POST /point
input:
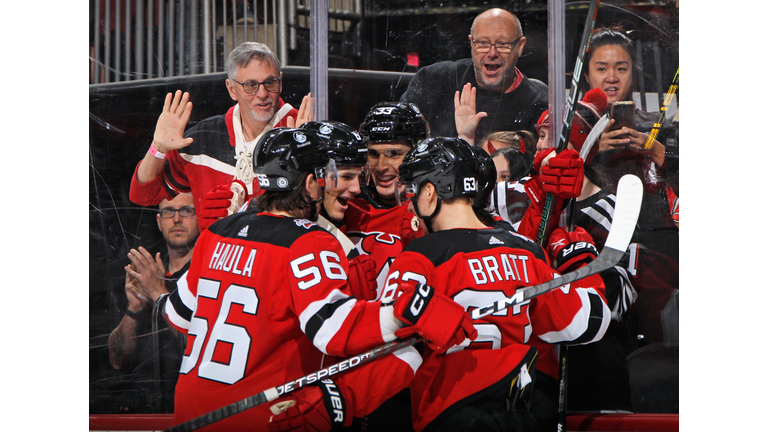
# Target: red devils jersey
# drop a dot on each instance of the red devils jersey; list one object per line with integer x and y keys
{"x": 206, "y": 163}
{"x": 380, "y": 233}
{"x": 476, "y": 267}
{"x": 264, "y": 297}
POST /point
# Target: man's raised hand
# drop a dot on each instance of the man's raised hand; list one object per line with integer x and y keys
{"x": 465, "y": 113}
{"x": 304, "y": 115}
{"x": 169, "y": 132}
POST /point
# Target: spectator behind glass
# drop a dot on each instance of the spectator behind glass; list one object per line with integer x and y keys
{"x": 218, "y": 150}
{"x": 506, "y": 99}
{"x": 511, "y": 164}
{"x": 612, "y": 66}
{"x": 522, "y": 140}
{"x": 143, "y": 346}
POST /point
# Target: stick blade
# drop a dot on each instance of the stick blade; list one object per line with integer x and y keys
{"x": 625, "y": 214}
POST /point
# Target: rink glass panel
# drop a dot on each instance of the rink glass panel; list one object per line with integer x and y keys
{"x": 395, "y": 38}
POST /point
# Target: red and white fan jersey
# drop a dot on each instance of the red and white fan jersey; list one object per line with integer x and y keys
{"x": 476, "y": 267}
{"x": 264, "y": 298}
{"x": 211, "y": 160}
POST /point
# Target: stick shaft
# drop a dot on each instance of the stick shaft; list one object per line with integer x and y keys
{"x": 565, "y": 131}
{"x": 657, "y": 126}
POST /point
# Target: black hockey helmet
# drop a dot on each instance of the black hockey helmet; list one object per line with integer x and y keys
{"x": 395, "y": 121}
{"x": 345, "y": 145}
{"x": 487, "y": 176}
{"x": 448, "y": 163}
{"x": 284, "y": 154}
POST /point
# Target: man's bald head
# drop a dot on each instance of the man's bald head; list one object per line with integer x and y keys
{"x": 501, "y": 16}
{"x": 495, "y": 70}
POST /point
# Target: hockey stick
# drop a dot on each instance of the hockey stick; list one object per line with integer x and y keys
{"x": 628, "y": 200}
{"x": 592, "y": 138}
{"x": 565, "y": 132}
{"x": 657, "y": 126}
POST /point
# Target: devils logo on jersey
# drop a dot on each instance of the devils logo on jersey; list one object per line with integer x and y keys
{"x": 382, "y": 248}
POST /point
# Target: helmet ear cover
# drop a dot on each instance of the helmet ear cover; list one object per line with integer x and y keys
{"x": 283, "y": 154}
{"x": 449, "y": 164}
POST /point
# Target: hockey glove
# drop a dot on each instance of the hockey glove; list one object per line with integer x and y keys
{"x": 222, "y": 201}
{"x": 563, "y": 176}
{"x": 571, "y": 250}
{"x": 362, "y": 277}
{"x": 434, "y": 316}
{"x": 316, "y": 408}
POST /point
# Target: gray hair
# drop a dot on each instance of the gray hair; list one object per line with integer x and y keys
{"x": 241, "y": 56}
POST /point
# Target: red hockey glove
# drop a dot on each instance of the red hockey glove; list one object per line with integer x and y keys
{"x": 571, "y": 250}
{"x": 564, "y": 175}
{"x": 316, "y": 408}
{"x": 362, "y": 277}
{"x": 434, "y": 316}
{"x": 222, "y": 201}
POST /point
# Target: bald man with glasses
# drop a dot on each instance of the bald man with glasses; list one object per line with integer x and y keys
{"x": 485, "y": 93}
{"x": 214, "y": 156}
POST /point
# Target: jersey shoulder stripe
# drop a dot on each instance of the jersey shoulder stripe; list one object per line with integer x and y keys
{"x": 264, "y": 228}
{"x": 441, "y": 246}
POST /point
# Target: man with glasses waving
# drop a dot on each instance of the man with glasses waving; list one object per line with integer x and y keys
{"x": 215, "y": 156}
{"x": 143, "y": 344}
{"x": 505, "y": 98}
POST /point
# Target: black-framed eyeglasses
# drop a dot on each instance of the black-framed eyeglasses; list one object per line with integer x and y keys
{"x": 186, "y": 212}
{"x": 252, "y": 87}
{"x": 502, "y": 47}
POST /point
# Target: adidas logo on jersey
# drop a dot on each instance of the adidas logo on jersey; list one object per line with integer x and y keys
{"x": 243, "y": 232}
{"x": 494, "y": 240}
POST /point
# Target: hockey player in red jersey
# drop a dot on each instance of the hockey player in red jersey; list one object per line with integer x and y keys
{"x": 266, "y": 296}
{"x": 484, "y": 385}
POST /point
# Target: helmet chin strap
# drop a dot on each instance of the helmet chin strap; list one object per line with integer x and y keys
{"x": 427, "y": 219}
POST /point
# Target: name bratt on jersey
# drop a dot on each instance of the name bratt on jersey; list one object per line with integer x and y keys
{"x": 229, "y": 258}
{"x": 502, "y": 267}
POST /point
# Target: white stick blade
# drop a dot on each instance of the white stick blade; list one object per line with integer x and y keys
{"x": 625, "y": 214}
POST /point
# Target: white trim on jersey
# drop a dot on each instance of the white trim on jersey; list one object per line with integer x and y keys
{"x": 389, "y": 324}
{"x": 580, "y": 322}
{"x": 410, "y": 356}
{"x": 187, "y": 299}
{"x": 210, "y": 162}
{"x": 332, "y": 324}
{"x": 175, "y": 318}
{"x": 598, "y": 217}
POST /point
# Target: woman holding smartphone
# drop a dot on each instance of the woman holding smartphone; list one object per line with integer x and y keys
{"x": 598, "y": 376}
{"x": 612, "y": 66}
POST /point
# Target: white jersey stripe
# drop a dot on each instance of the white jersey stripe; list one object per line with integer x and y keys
{"x": 331, "y": 324}
{"x": 410, "y": 356}
{"x": 598, "y": 217}
{"x": 580, "y": 322}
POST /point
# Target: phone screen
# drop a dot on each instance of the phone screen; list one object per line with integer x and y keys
{"x": 623, "y": 114}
